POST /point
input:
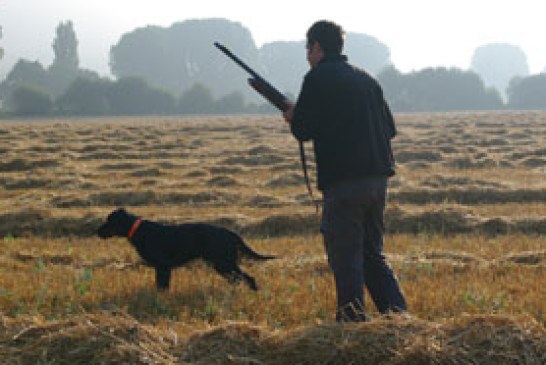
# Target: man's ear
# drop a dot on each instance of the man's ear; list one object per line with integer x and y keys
{"x": 319, "y": 47}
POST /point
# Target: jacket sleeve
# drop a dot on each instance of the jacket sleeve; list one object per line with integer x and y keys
{"x": 390, "y": 126}
{"x": 306, "y": 112}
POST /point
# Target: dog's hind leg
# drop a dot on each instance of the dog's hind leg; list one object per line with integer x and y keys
{"x": 162, "y": 277}
{"x": 227, "y": 272}
{"x": 234, "y": 274}
{"x": 249, "y": 279}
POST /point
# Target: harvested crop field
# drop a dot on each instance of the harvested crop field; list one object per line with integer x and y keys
{"x": 466, "y": 224}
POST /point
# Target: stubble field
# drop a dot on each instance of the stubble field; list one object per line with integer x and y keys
{"x": 466, "y": 224}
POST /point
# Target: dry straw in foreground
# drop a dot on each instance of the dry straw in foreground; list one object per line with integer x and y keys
{"x": 114, "y": 338}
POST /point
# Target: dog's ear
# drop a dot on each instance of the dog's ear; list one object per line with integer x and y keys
{"x": 116, "y": 213}
{"x": 120, "y": 212}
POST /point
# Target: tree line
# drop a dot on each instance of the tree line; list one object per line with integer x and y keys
{"x": 176, "y": 70}
{"x": 127, "y": 96}
{"x": 1, "y": 49}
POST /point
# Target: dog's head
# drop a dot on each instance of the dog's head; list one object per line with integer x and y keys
{"x": 117, "y": 223}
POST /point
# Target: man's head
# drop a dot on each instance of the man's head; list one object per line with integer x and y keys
{"x": 323, "y": 38}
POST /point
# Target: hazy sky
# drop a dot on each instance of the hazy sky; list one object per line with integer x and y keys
{"x": 419, "y": 33}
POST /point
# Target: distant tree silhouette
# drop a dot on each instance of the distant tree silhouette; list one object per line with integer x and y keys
{"x": 65, "y": 46}
{"x": 284, "y": 64}
{"x": 23, "y": 74}
{"x": 396, "y": 89}
{"x": 527, "y": 92}
{"x": 65, "y": 67}
{"x": 176, "y": 69}
{"x": 145, "y": 53}
{"x": 196, "y": 100}
{"x": 30, "y": 101}
{"x": 177, "y": 57}
{"x": 133, "y": 96}
{"x": 85, "y": 97}
{"x": 367, "y": 52}
{"x": 1, "y": 48}
{"x": 437, "y": 89}
{"x": 232, "y": 103}
{"x": 58, "y": 76}
{"x": 182, "y": 55}
{"x": 497, "y": 63}
{"x": 127, "y": 96}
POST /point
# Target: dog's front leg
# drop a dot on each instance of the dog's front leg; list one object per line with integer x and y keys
{"x": 162, "y": 277}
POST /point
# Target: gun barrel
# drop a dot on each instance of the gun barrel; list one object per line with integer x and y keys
{"x": 257, "y": 82}
{"x": 237, "y": 60}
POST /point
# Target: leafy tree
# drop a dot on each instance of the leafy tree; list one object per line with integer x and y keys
{"x": 65, "y": 46}
{"x": 30, "y": 101}
{"x": 497, "y": 63}
{"x": 177, "y": 57}
{"x": 202, "y": 63}
{"x": 1, "y": 48}
{"x": 231, "y": 103}
{"x": 133, "y": 96}
{"x": 437, "y": 89}
{"x": 367, "y": 52}
{"x": 64, "y": 69}
{"x": 55, "y": 79}
{"x": 395, "y": 88}
{"x": 196, "y": 100}
{"x": 143, "y": 53}
{"x": 23, "y": 73}
{"x": 127, "y": 96}
{"x": 528, "y": 92}
{"x": 85, "y": 97}
{"x": 285, "y": 64}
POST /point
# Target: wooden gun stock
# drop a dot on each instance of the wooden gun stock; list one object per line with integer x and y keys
{"x": 270, "y": 93}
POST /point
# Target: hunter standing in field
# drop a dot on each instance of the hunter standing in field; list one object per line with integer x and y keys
{"x": 342, "y": 110}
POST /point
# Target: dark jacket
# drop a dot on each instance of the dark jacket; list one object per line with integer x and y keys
{"x": 342, "y": 109}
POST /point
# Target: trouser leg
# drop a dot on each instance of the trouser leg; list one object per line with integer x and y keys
{"x": 343, "y": 237}
{"x": 346, "y": 264}
{"x": 378, "y": 275}
{"x": 353, "y": 228}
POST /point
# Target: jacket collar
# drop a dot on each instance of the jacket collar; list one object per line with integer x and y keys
{"x": 333, "y": 58}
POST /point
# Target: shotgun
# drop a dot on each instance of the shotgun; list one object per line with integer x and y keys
{"x": 275, "y": 97}
{"x": 257, "y": 82}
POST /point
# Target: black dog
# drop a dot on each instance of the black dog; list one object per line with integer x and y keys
{"x": 165, "y": 247}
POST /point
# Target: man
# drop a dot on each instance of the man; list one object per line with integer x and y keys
{"x": 342, "y": 110}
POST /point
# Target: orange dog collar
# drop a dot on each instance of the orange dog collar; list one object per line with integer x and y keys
{"x": 134, "y": 228}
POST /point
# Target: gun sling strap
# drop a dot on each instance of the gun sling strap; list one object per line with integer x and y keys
{"x": 306, "y": 175}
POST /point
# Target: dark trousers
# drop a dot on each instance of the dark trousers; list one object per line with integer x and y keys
{"x": 353, "y": 228}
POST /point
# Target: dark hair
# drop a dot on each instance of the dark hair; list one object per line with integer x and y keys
{"x": 328, "y": 34}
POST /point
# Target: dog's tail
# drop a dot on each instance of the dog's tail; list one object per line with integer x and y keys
{"x": 246, "y": 251}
